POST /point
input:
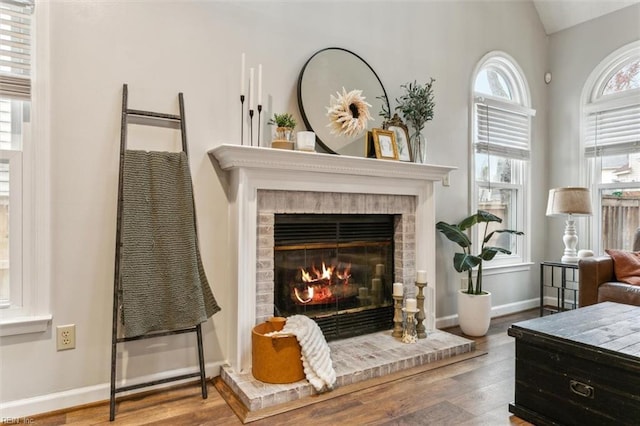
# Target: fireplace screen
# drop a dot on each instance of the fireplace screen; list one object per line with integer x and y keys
{"x": 336, "y": 269}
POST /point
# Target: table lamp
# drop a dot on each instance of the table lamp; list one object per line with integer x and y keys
{"x": 571, "y": 201}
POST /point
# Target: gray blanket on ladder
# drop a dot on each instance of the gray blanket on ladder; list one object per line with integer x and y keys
{"x": 163, "y": 284}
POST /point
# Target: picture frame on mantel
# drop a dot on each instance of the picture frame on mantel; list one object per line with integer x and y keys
{"x": 384, "y": 143}
{"x": 369, "y": 151}
{"x": 397, "y": 126}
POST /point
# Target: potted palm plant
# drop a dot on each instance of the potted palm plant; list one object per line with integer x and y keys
{"x": 474, "y": 304}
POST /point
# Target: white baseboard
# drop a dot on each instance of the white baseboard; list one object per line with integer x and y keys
{"x": 23, "y": 408}
{"x": 496, "y": 311}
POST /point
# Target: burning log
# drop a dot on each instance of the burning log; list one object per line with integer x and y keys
{"x": 323, "y": 286}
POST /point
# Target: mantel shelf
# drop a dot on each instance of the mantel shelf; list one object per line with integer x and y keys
{"x": 229, "y": 157}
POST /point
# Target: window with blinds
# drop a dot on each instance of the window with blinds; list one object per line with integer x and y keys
{"x": 611, "y": 141}
{"x": 15, "y": 49}
{"x": 15, "y": 104}
{"x": 502, "y": 129}
{"x": 501, "y": 123}
{"x": 613, "y": 126}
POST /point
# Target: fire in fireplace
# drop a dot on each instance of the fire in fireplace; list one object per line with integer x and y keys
{"x": 323, "y": 286}
{"x": 336, "y": 269}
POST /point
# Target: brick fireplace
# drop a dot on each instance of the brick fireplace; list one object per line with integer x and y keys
{"x": 263, "y": 182}
{"x": 359, "y": 207}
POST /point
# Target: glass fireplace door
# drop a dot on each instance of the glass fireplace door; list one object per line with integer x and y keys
{"x": 336, "y": 269}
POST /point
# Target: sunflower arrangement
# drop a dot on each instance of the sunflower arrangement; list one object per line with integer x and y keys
{"x": 348, "y": 113}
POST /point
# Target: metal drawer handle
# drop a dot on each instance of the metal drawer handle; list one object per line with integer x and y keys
{"x": 581, "y": 389}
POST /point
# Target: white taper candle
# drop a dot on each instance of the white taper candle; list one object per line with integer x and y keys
{"x": 242, "y": 72}
{"x": 260, "y": 84}
{"x": 251, "y": 98}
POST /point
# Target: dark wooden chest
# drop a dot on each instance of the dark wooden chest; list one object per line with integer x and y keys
{"x": 579, "y": 367}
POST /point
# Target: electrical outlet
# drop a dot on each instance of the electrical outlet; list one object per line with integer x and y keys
{"x": 66, "y": 337}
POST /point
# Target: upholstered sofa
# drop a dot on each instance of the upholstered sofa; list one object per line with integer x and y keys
{"x": 598, "y": 281}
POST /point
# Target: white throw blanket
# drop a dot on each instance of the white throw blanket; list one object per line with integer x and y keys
{"x": 316, "y": 354}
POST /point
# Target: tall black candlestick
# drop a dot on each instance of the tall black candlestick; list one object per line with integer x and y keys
{"x": 259, "y": 128}
{"x": 251, "y": 125}
{"x": 241, "y": 119}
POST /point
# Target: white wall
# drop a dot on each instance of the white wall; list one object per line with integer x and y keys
{"x": 162, "y": 48}
{"x": 573, "y": 55}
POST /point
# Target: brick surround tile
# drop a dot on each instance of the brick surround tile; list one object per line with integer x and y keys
{"x": 270, "y": 202}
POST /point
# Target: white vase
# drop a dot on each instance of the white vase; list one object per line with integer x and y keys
{"x": 474, "y": 313}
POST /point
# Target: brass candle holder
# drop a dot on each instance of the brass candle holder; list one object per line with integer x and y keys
{"x": 420, "y": 328}
{"x": 397, "y": 317}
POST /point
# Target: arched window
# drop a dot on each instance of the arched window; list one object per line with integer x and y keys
{"x": 501, "y": 123}
{"x": 611, "y": 139}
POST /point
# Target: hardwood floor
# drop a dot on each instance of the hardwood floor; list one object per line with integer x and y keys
{"x": 472, "y": 392}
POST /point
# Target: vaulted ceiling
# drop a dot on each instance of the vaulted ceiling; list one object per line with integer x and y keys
{"x": 557, "y": 15}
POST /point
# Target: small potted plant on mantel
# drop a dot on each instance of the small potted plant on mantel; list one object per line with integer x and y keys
{"x": 283, "y": 136}
{"x": 474, "y": 304}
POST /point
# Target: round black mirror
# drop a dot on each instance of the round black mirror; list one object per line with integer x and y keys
{"x": 326, "y": 73}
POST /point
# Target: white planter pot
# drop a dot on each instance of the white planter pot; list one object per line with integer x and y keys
{"x": 474, "y": 313}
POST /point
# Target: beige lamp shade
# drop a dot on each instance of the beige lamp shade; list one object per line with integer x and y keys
{"x": 569, "y": 200}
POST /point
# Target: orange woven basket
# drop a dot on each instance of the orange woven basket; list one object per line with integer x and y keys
{"x": 276, "y": 359}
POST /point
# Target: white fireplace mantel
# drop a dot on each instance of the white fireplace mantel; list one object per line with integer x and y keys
{"x": 237, "y": 157}
{"x": 245, "y": 170}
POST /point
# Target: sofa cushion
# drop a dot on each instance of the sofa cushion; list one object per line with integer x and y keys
{"x": 626, "y": 265}
{"x": 619, "y": 292}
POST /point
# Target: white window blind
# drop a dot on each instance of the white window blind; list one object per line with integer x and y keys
{"x": 15, "y": 48}
{"x": 502, "y": 128}
{"x": 613, "y": 127}
{"x": 6, "y": 131}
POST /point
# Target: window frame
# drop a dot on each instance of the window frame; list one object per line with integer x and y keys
{"x": 34, "y": 315}
{"x": 594, "y": 100}
{"x": 520, "y": 103}
{"x": 14, "y": 158}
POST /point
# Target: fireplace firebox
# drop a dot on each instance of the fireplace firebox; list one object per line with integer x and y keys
{"x": 336, "y": 269}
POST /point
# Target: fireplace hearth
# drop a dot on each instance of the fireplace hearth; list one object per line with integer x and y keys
{"x": 335, "y": 269}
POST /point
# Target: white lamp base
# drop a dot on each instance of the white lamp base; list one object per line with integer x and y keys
{"x": 570, "y": 240}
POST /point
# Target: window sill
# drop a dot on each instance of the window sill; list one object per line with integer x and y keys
{"x": 24, "y": 325}
{"x": 507, "y": 269}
